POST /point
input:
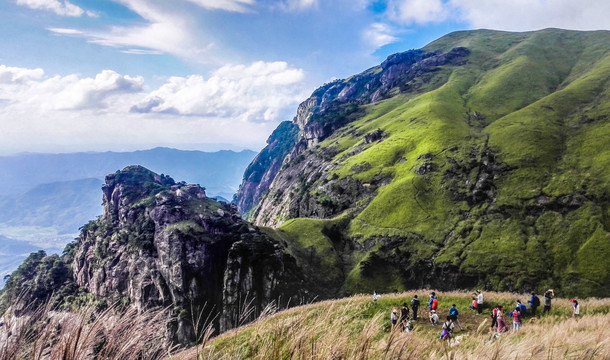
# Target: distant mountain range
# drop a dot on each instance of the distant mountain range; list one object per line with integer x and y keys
{"x": 219, "y": 172}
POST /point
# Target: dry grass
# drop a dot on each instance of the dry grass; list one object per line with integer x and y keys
{"x": 35, "y": 334}
{"x": 357, "y": 328}
{"x": 354, "y": 328}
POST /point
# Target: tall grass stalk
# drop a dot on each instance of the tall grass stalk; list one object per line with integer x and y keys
{"x": 114, "y": 333}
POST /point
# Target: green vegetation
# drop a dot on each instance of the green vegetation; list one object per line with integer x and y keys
{"x": 495, "y": 169}
{"x": 39, "y": 279}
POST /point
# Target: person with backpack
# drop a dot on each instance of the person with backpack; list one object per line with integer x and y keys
{"x": 534, "y": 303}
{"x": 434, "y": 317}
{"x": 479, "y": 302}
{"x": 394, "y": 317}
{"x": 522, "y": 308}
{"x": 409, "y": 326}
{"x": 548, "y": 296}
{"x": 473, "y": 306}
{"x": 516, "y": 315}
{"x": 575, "y": 308}
{"x": 494, "y": 318}
{"x": 404, "y": 315}
{"x": 433, "y": 302}
{"x": 415, "y": 306}
{"x": 453, "y": 314}
{"x": 501, "y": 322}
{"x": 447, "y": 329}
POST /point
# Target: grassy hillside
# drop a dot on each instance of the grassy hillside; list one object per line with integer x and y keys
{"x": 358, "y": 328}
{"x": 491, "y": 173}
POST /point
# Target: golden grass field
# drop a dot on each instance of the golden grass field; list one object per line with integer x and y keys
{"x": 358, "y": 328}
{"x": 348, "y": 328}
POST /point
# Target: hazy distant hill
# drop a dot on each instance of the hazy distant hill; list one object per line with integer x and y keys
{"x": 12, "y": 253}
{"x": 66, "y": 205}
{"x": 219, "y": 172}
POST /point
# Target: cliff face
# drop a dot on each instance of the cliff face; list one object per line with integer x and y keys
{"x": 165, "y": 244}
{"x": 467, "y": 163}
{"x": 261, "y": 172}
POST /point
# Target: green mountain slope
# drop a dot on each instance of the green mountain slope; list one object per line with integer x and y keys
{"x": 480, "y": 160}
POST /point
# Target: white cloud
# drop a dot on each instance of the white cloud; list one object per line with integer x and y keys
{"x": 15, "y": 75}
{"x": 298, "y": 5}
{"x": 63, "y": 31}
{"x": 417, "y": 11}
{"x": 378, "y": 35}
{"x": 520, "y": 15}
{"x": 515, "y": 15}
{"x": 63, "y": 8}
{"x": 227, "y": 5}
{"x": 75, "y": 93}
{"x": 257, "y": 92}
{"x": 141, "y": 52}
{"x": 166, "y": 29}
{"x": 28, "y": 89}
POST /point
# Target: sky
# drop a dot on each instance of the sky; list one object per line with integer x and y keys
{"x": 123, "y": 75}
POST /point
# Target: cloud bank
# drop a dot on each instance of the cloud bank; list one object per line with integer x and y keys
{"x": 241, "y": 102}
{"x": 257, "y": 92}
{"x": 516, "y": 15}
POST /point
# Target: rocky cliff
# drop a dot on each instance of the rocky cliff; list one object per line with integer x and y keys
{"x": 165, "y": 244}
{"x": 476, "y": 161}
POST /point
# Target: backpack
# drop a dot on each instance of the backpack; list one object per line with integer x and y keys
{"x": 536, "y": 301}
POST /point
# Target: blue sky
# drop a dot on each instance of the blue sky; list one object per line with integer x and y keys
{"x": 96, "y": 75}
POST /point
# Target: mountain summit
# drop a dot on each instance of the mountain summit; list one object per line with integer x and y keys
{"x": 479, "y": 160}
{"x": 164, "y": 244}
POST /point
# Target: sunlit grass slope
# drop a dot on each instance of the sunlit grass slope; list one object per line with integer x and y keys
{"x": 527, "y": 118}
{"x": 358, "y": 328}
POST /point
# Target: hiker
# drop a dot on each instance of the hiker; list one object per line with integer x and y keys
{"x": 576, "y": 308}
{"x": 479, "y": 302}
{"x": 404, "y": 315}
{"x": 473, "y": 306}
{"x": 453, "y": 314}
{"x": 415, "y": 306}
{"x": 447, "y": 329}
{"x": 494, "y": 318}
{"x": 433, "y": 304}
{"x": 522, "y": 308}
{"x": 409, "y": 326}
{"x": 534, "y": 303}
{"x": 548, "y": 296}
{"x": 375, "y": 296}
{"x": 394, "y": 317}
{"x": 501, "y": 322}
{"x": 516, "y": 315}
{"x": 434, "y": 317}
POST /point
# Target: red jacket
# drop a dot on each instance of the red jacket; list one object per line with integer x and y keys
{"x": 434, "y": 304}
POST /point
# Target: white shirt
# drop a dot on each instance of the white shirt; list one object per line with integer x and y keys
{"x": 480, "y": 298}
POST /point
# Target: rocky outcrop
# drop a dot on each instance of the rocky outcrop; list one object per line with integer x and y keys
{"x": 329, "y": 108}
{"x": 166, "y": 244}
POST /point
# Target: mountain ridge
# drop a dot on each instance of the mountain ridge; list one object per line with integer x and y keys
{"x": 439, "y": 181}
